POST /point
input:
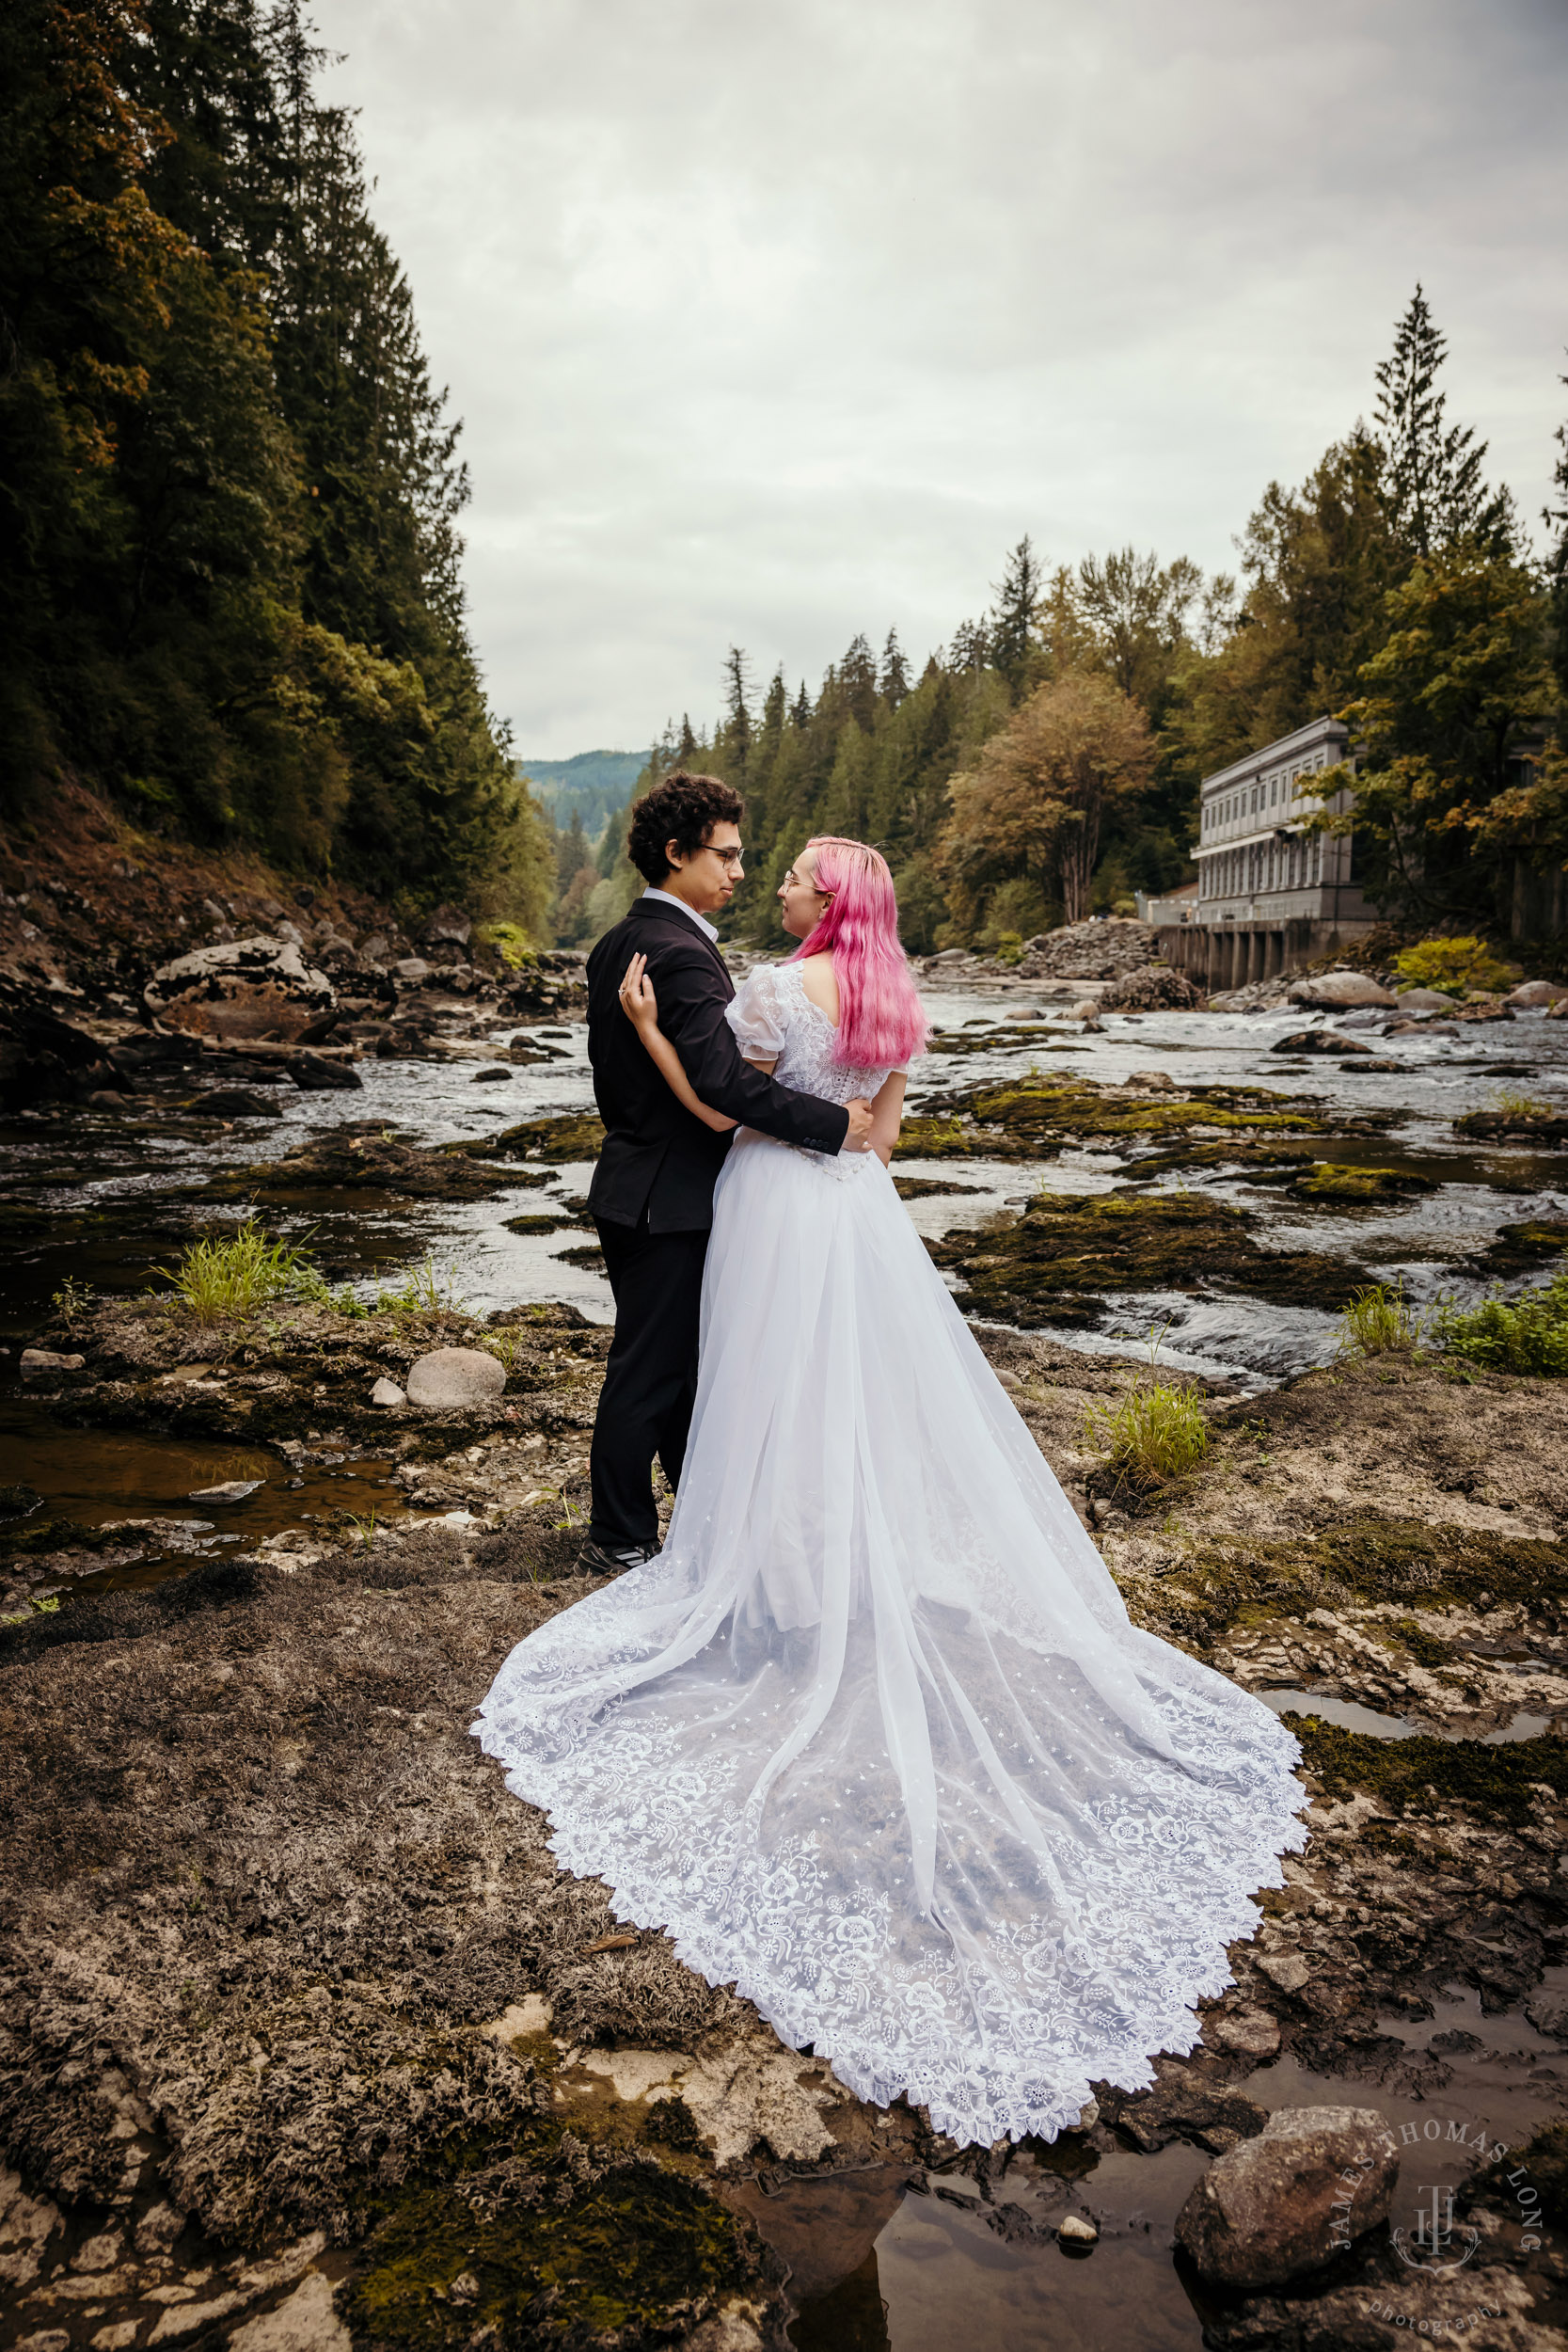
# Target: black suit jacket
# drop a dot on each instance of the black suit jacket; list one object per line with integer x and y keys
{"x": 657, "y": 1155}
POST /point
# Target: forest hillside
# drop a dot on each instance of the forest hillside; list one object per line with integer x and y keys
{"x": 230, "y": 598}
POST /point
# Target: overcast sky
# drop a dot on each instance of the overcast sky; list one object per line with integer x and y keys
{"x": 773, "y": 320}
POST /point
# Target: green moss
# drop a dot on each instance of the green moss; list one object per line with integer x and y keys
{"x": 1051, "y": 1109}
{"x": 1497, "y": 1784}
{"x": 938, "y": 1140}
{"x": 1333, "y": 1182}
{"x": 642, "y": 2252}
{"x": 574, "y": 1136}
{"x": 1368, "y": 1558}
{"x": 1068, "y": 1246}
{"x": 1520, "y": 1249}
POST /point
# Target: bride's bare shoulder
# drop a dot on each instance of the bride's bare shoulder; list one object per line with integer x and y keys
{"x": 816, "y": 978}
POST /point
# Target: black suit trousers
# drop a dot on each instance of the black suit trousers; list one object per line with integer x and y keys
{"x": 650, "y": 1374}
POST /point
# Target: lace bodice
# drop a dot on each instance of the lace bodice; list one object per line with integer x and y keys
{"x": 774, "y": 1019}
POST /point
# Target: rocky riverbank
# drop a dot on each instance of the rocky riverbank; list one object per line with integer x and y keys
{"x": 307, "y": 2038}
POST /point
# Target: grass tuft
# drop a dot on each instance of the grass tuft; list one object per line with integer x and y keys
{"x": 1380, "y": 1321}
{"x": 227, "y": 1276}
{"x": 1509, "y": 1105}
{"x": 1152, "y": 1435}
{"x": 425, "y": 1290}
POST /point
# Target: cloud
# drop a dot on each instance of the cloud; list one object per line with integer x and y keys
{"x": 773, "y": 323}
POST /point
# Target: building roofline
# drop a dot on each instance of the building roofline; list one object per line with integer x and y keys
{"x": 1240, "y": 770}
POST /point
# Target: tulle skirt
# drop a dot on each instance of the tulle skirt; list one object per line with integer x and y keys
{"x": 873, "y": 1738}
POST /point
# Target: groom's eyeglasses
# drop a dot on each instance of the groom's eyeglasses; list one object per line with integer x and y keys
{"x": 731, "y": 858}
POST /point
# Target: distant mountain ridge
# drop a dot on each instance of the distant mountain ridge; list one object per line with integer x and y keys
{"x": 593, "y": 784}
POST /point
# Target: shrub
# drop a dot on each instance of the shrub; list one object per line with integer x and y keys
{"x": 1527, "y": 1334}
{"x": 1451, "y": 965}
{"x": 509, "y": 942}
{"x": 1380, "y": 1322}
{"x": 1153, "y": 1434}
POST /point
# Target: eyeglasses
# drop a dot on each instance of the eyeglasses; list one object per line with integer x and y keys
{"x": 799, "y": 881}
{"x": 731, "y": 858}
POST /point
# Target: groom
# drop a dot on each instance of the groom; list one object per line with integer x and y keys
{"x": 652, "y": 1194}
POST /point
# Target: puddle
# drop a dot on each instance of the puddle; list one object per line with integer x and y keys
{"x": 96, "y": 1477}
{"x": 1345, "y": 1712}
{"x": 1351, "y": 1717}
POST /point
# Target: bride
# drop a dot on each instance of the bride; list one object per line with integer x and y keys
{"x": 873, "y": 1736}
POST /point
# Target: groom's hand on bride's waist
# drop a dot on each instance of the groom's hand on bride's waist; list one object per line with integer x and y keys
{"x": 859, "y": 1135}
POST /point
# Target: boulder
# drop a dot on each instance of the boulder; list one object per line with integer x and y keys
{"x": 1532, "y": 995}
{"x": 411, "y": 970}
{"x": 249, "y": 988}
{"x": 232, "y": 1490}
{"x": 450, "y": 1377}
{"x": 43, "y": 1057}
{"x": 235, "y": 1102}
{"x": 1319, "y": 1042}
{"x": 1156, "y": 989}
{"x": 1284, "y": 2203}
{"x": 449, "y": 926}
{"x": 1336, "y": 991}
{"x": 1424, "y": 1000}
{"x": 387, "y": 1392}
{"x": 490, "y": 1077}
{"x": 38, "y": 1361}
{"x": 320, "y": 1073}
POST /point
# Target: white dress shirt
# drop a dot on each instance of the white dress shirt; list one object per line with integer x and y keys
{"x": 667, "y": 899}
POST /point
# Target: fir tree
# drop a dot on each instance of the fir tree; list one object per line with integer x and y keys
{"x": 800, "y": 713}
{"x": 1555, "y": 517}
{"x": 737, "y": 715}
{"x": 1432, "y": 485}
{"x": 895, "y": 672}
{"x": 1012, "y": 617}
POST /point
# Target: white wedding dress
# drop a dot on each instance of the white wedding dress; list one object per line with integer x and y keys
{"x": 873, "y": 1737}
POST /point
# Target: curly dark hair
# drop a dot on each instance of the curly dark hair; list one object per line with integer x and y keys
{"x": 683, "y": 809}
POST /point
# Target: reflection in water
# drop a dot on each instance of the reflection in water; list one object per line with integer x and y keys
{"x": 852, "y": 2318}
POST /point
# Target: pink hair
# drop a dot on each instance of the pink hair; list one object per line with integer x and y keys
{"x": 881, "y": 1021}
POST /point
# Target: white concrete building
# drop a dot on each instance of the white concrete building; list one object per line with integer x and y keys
{"x": 1271, "y": 896}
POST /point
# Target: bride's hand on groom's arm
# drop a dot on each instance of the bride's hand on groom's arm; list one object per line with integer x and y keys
{"x": 638, "y": 1000}
{"x": 859, "y": 1135}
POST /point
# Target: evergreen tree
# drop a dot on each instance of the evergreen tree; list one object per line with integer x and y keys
{"x": 1432, "y": 485}
{"x": 894, "y": 682}
{"x": 1555, "y": 517}
{"x": 737, "y": 714}
{"x": 571, "y": 852}
{"x": 1012, "y": 617}
{"x": 800, "y": 713}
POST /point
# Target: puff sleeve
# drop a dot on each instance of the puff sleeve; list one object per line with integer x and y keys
{"x": 757, "y": 1016}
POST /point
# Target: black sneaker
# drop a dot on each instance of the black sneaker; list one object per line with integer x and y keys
{"x": 613, "y": 1558}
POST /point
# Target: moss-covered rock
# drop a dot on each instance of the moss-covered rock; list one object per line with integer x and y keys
{"x": 1069, "y": 1247}
{"x": 569, "y": 1136}
{"x": 363, "y": 1159}
{"x": 1343, "y": 1184}
{"x": 1520, "y": 1249}
{"x": 1364, "y": 1558}
{"x": 1419, "y": 1775}
{"x": 638, "y": 2256}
